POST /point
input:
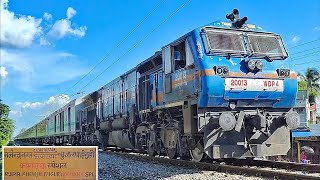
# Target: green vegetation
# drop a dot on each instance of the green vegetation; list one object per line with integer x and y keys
{"x": 302, "y": 85}
{"x": 1, "y": 165}
{"x": 311, "y": 82}
{"x": 6, "y": 125}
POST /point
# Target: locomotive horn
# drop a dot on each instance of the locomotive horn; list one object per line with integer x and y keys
{"x": 239, "y": 23}
{"x": 234, "y": 16}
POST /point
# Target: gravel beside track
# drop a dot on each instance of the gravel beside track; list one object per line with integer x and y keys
{"x": 115, "y": 167}
{"x": 135, "y": 166}
{"x": 313, "y": 169}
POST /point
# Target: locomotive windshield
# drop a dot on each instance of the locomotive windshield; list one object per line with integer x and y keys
{"x": 240, "y": 44}
{"x": 267, "y": 45}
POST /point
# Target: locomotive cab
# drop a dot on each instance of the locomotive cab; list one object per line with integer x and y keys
{"x": 246, "y": 98}
{"x": 236, "y": 84}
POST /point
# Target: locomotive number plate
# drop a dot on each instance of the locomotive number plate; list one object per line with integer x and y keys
{"x": 253, "y": 84}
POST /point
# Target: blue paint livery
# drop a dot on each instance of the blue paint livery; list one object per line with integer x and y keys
{"x": 213, "y": 92}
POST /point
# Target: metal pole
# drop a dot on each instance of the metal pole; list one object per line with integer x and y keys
{"x": 291, "y": 146}
{"x": 298, "y": 148}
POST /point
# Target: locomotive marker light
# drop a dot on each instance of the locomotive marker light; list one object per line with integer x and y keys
{"x": 283, "y": 72}
{"x": 221, "y": 70}
{"x": 225, "y": 70}
{"x": 235, "y": 16}
{"x": 227, "y": 121}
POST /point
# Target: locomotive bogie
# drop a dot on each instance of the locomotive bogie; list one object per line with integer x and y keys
{"x": 248, "y": 133}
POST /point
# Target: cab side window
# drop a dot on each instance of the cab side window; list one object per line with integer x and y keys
{"x": 179, "y": 56}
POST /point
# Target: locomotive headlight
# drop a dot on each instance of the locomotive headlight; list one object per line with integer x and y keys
{"x": 251, "y": 65}
{"x": 259, "y": 65}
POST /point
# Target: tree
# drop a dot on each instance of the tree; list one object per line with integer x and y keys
{"x": 4, "y": 110}
{"x": 6, "y": 125}
{"x": 311, "y": 82}
{"x": 302, "y": 86}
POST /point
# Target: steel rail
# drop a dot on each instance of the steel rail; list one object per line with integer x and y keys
{"x": 308, "y": 168}
{"x": 216, "y": 167}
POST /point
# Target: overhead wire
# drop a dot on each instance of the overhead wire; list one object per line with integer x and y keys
{"x": 305, "y": 51}
{"x": 139, "y": 42}
{"x": 305, "y": 55}
{"x": 309, "y": 42}
{"x": 118, "y": 44}
{"x": 139, "y": 25}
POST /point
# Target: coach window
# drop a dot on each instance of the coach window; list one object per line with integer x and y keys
{"x": 55, "y": 123}
{"x": 69, "y": 118}
{"x": 61, "y": 117}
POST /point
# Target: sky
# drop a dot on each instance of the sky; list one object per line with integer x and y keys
{"x": 47, "y": 47}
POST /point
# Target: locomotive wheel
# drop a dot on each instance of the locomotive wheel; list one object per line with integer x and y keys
{"x": 151, "y": 150}
{"x": 172, "y": 153}
{"x": 197, "y": 154}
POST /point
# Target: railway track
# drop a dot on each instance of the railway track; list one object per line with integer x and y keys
{"x": 307, "y": 168}
{"x": 236, "y": 168}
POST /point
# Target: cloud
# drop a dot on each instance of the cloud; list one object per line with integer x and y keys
{"x": 15, "y": 113}
{"x": 64, "y": 27}
{"x": 47, "y": 16}
{"x": 44, "y": 42}
{"x": 26, "y": 114}
{"x": 317, "y": 28}
{"x": 3, "y": 73}
{"x": 20, "y": 31}
{"x": 295, "y": 39}
{"x": 17, "y": 31}
{"x": 34, "y": 69}
{"x": 71, "y": 12}
{"x": 58, "y": 100}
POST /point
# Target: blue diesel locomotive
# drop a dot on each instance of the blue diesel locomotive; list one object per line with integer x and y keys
{"x": 221, "y": 90}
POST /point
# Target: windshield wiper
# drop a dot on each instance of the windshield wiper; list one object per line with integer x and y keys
{"x": 268, "y": 58}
